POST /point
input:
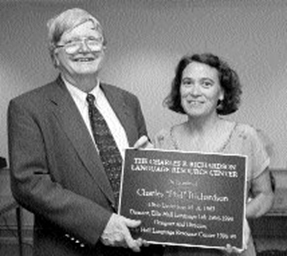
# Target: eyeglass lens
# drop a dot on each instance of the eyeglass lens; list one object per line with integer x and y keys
{"x": 93, "y": 45}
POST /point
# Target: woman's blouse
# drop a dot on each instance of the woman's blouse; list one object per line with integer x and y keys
{"x": 243, "y": 140}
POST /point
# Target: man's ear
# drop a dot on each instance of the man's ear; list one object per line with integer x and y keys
{"x": 55, "y": 59}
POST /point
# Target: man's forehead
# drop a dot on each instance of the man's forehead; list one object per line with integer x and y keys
{"x": 86, "y": 27}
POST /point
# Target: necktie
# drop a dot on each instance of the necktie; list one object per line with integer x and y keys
{"x": 108, "y": 150}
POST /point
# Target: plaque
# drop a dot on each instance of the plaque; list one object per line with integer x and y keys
{"x": 185, "y": 198}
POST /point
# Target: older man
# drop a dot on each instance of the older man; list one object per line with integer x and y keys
{"x": 66, "y": 144}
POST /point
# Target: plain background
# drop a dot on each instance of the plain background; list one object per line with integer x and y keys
{"x": 146, "y": 39}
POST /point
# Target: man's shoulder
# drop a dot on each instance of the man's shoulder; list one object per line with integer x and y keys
{"x": 36, "y": 93}
{"x": 115, "y": 89}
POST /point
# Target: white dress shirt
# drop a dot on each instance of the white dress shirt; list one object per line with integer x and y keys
{"x": 105, "y": 109}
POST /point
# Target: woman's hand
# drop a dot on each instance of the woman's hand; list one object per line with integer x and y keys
{"x": 246, "y": 236}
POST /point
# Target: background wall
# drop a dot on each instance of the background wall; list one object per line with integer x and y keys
{"x": 146, "y": 39}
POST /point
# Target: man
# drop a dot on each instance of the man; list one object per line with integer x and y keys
{"x": 58, "y": 169}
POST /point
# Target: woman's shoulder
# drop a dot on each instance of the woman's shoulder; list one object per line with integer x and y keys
{"x": 161, "y": 136}
{"x": 246, "y": 131}
{"x": 167, "y": 132}
{"x": 162, "y": 133}
{"x": 164, "y": 138}
{"x": 254, "y": 137}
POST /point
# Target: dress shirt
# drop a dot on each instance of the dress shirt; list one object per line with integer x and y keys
{"x": 105, "y": 109}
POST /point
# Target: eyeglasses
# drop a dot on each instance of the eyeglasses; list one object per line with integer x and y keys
{"x": 73, "y": 46}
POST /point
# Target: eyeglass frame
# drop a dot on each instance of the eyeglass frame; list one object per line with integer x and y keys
{"x": 80, "y": 42}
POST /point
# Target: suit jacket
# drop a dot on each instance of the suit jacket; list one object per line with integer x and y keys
{"x": 56, "y": 171}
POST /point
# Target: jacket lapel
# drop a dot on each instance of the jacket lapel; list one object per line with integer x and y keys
{"x": 75, "y": 128}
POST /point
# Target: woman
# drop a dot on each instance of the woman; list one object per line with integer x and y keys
{"x": 204, "y": 88}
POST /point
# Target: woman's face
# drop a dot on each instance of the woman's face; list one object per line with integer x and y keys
{"x": 200, "y": 90}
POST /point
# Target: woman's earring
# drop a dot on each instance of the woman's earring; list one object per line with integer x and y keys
{"x": 219, "y": 105}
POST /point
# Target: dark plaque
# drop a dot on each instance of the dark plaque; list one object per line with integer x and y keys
{"x": 185, "y": 198}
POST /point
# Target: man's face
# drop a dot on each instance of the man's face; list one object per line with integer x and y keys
{"x": 80, "y": 51}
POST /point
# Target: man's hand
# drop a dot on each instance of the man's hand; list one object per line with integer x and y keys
{"x": 117, "y": 233}
{"x": 143, "y": 143}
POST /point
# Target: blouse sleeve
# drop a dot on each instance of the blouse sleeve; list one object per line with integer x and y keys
{"x": 267, "y": 143}
{"x": 259, "y": 157}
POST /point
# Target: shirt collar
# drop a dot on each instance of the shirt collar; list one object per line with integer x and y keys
{"x": 97, "y": 90}
{"x": 79, "y": 95}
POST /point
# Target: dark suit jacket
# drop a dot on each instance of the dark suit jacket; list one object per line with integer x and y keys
{"x": 56, "y": 172}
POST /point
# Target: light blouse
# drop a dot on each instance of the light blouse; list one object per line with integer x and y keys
{"x": 243, "y": 140}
